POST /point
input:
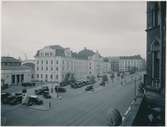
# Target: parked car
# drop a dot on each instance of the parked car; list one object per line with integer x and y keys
{"x": 38, "y": 92}
{"x": 89, "y": 88}
{"x": 46, "y": 95}
{"x": 16, "y": 100}
{"x": 28, "y": 84}
{"x": 4, "y": 97}
{"x": 60, "y": 89}
{"x": 102, "y": 84}
{"x": 45, "y": 88}
{"x": 34, "y": 100}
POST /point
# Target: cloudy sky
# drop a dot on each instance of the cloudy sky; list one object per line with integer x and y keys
{"x": 112, "y": 28}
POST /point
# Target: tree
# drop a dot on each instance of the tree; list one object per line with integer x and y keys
{"x": 92, "y": 79}
{"x": 72, "y": 79}
{"x": 67, "y": 77}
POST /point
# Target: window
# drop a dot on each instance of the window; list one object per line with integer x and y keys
{"x": 41, "y": 75}
{"x": 51, "y": 77}
{"x": 41, "y": 61}
{"x": 46, "y": 62}
{"x": 42, "y": 68}
{"x": 46, "y": 76}
{"x": 37, "y": 61}
{"x": 57, "y": 77}
{"x": 37, "y": 68}
{"x": 46, "y": 68}
{"x": 57, "y": 62}
{"x": 46, "y": 54}
{"x": 63, "y": 61}
{"x": 51, "y": 61}
{"x": 37, "y": 75}
{"x": 50, "y": 54}
{"x": 56, "y": 68}
{"x": 51, "y": 68}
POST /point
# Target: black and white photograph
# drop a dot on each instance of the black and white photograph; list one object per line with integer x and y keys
{"x": 83, "y": 63}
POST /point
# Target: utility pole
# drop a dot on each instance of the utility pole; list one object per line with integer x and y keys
{"x": 135, "y": 89}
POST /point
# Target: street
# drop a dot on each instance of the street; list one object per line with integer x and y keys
{"x": 85, "y": 108}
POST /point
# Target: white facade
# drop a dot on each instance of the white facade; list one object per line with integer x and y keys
{"x": 53, "y": 63}
{"x": 126, "y": 64}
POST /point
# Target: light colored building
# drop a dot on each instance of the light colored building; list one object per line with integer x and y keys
{"x": 13, "y": 73}
{"x": 31, "y": 64}
{"x": 128, "y": 63}
{"x": 52, "y": 63}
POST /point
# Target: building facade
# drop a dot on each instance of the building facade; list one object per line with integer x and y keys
{"x": 131, "y": 63}
{"x": 52, "y": 63}
{"x": 156, "y": 43}
{"x": 114, "y": 61}
{"x": 13, "y": 73}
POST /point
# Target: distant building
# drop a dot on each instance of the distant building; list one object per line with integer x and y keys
{"x": 13, "y": 73}
{"x": 156, "y": 43}
{"x": 31, "y": 64}
{"x": 53, "y": 63}
{"x": 114, "y": 61}
{"x": 131, "y": 63}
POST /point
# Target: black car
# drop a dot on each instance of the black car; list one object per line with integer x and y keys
{"x": 102, "y": 84}
{"x": 60, "y": 89}
{"x": 4, "y": 97}
{"x": 47, "y": 95}
{"x": 16, "y": 100}
{"x": 34, "y": 100}
{"x": 45, "y": 88}
{"x": 89, "y": 88}
{"x": 28, "y": 84}
{"x": 38, "y": 92}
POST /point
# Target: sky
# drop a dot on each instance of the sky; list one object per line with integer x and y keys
{"x": 112, "y": 28}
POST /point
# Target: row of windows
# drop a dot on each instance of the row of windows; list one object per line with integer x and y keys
{"x": 42, "y": 61}
{"x": 46, "y": 76}
{"x": 46, "y": 54}
{"x": 47, "y": 69}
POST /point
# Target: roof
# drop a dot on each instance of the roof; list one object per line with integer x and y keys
{"x": 22, "y": 67}
{"x": 131, "y": 57}
{"x": 85, "y": 53}
{"x": 55, "y": 47}
{"x": 9, "y": 59}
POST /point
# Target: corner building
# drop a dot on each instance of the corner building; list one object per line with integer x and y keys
{"x": 53, "y": 62}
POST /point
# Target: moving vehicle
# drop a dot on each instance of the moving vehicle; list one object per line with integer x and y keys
{"x": 32, "y": 100}
{"x": 89, "y": 88}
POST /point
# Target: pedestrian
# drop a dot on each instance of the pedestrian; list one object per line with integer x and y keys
{"x": 49, "y": 104}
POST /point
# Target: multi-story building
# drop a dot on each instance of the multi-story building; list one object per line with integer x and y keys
{"x": 114, "y": 61}
{"x": 52, "y": 63}
{"x": 131, "y": 63}
{"x": 156, "y": 42}
{"x": 13, "y": 73}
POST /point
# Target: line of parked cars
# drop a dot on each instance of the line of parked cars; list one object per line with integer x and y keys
{"x": 28, "y": 84}
{"x": 12, "y": 99}
{"x": 79, "y": 84}
{"x": 43, "y": 91}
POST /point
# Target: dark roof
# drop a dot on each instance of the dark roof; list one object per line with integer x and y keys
{"x": 56, "y": 47}
{"x": 85, "y": 53}
{"x": 31, "y": 65}
{"x": 131, "y": 57}
{"x": 9, "y": 59}
{"x": 15, "y": 67}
